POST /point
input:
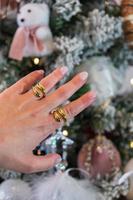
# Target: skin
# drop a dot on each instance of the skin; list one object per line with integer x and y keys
{"x": 25, "y": 120}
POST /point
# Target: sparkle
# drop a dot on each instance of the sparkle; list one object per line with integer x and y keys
{"x": 131, "y": 81}
{"x": 131, "y": 144}
{"x": 65, "y": 133}
{"x": 36, "y": 61}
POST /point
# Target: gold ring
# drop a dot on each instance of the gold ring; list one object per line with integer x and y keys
{"x": 59, "y": 114}
{"x": 39, "y": 91}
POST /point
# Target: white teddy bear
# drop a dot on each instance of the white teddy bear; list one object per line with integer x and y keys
{"x": 33, "y": 37}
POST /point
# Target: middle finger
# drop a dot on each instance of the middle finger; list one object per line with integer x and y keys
{"x": 61, "y": 94}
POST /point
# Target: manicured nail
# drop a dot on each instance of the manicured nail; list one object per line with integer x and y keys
{"x": 92, "y": 96}
{"x": 83, "y": 75}
{"x": 64, "y": 70}
{"x": 58, "y": 160}
{"x": 40, "y": 71}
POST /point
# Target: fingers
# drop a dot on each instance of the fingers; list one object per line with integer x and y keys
{"x": 24, "y": 84}
{"x": 46, "y": 124}
{"x": 50, "y": 81}
{"x": 74, "y": 108}
{"x": 77, "y": 106}
{"x": 63, "y": 93}
{"x": 42, "y": 163}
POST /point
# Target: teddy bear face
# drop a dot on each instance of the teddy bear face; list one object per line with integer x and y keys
{"x": 32, "y": 14}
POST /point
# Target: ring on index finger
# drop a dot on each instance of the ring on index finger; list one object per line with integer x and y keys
{"x": 39, "y": 91}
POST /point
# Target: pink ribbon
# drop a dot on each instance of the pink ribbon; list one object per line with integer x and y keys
{"x": 22, "y": 36}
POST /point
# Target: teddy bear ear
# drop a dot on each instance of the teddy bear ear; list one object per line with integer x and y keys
{"x": 44, "y": 6}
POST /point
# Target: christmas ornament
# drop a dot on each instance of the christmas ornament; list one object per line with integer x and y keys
{"x": 112, "y": 187}
{"x": 15, "y": 190}
{"x": 99, "y": 157}
{"x": 33, "y": 34}
{"x": 50, "y": 145}
{"x": 129, "y": 168}
{"x": 103, "y": 78}
{"x": 62, "y": 186}
{"x": 127, "y": 13}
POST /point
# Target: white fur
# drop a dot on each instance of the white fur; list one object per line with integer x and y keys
{"x": 37, "y": 17}
{"x": 64, "y": 187}
{"x": 15, "y": 189}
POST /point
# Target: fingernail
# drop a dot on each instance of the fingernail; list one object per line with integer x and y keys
{"x": 92, "y": 94}
{"x": 83, "y": 75}
{"x": 58, "y": 160}
{"x": 40, "y": 71}
{"x": 64, "y": 70}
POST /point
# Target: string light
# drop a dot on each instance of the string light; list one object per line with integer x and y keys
{"x": 131, "y": 144}
{"x": 131, "y": 81}
{"x": 36, "y": 61}
{"x": 65, "y": 133}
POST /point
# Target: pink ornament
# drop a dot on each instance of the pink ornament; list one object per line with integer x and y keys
{"x": 99, "y": 157}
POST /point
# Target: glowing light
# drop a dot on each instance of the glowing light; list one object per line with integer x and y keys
{"x": 131, "y": 81}
{"x": 131, "y": 144}
{"x": 65, "y": 133}
{"x": 36, "y": 61}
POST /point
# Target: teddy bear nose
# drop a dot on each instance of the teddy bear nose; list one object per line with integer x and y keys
{"x": 22, "y": 20}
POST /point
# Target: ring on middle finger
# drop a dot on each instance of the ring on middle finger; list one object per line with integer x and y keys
{"x": 60, "y": 114}
{"x": 39, "y": 91}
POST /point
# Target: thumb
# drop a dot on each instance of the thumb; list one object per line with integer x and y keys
{"x": 43, "y": 163}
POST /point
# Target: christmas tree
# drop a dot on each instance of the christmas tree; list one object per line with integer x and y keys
{"x": 94, "y": 36}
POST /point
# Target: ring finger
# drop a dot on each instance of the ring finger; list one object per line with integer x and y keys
{"x": 72, "y": 109}
{"x": 75, "y": 107}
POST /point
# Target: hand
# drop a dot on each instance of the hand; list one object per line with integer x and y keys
{"x": 25, "y": 121}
